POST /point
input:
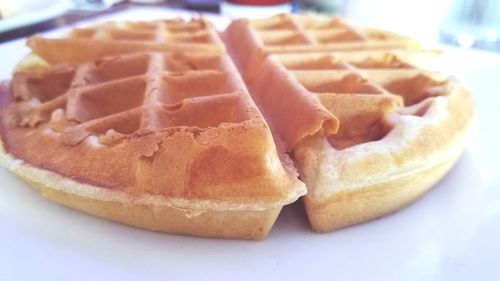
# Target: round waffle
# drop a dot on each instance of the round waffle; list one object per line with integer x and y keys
{"x": 150, "y": 123}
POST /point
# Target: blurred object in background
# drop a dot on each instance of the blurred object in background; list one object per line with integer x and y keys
{"x": 99, "y": 5}
{"x": 473, "y": 23}
{"x": 203, "y": 5}
{"x": 8, "y": 9}
{"x": 148, "y": 1}
{"x": 420, "y": 19}
{"x": 15, "y": 14}
{"x": 254, "y": 8}
{"x": 330, "y": 7}
{"x": 94, "y": 5}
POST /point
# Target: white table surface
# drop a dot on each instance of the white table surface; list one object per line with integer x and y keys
{"x": 452, "y": 233}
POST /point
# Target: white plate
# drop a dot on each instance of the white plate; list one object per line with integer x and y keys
{"x": 33, "y": 12}
{"x": 452, "y": 233}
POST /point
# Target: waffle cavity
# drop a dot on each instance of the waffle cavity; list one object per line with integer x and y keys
{"x": 137, "y": 92}
{"x": 350, "y": 94}
{"x": 113, "y": 38}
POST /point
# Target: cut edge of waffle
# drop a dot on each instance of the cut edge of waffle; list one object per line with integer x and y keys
{"x": 206, "y": 218}
{"x": 56, "y": 181}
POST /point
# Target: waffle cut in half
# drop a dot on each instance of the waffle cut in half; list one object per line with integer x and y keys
{"x": 368, "y": 129}
{"x": 148, "y": 124}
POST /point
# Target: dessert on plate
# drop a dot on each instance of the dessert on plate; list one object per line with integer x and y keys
{"x": 151, "y": 124}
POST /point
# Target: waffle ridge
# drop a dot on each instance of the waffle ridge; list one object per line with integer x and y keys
{"x": 366, "y": 90}
{"x": 92, "y": 98}
{"x": 329, "y": 76}
{"x": 302, "y": 33}
{"x": 175, "y": 35}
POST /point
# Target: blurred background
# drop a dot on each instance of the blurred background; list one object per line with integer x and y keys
{"x": 465, "y": 23}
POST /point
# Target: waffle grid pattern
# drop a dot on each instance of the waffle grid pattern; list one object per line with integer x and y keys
{"x": 362, "y": 90}
{"x": 352, "y": 78}
{"x": 114, "y": 38}
{"x": 137, "y": 93}
{"x": 287, "y": 32}
{"x": 164, "y": 31}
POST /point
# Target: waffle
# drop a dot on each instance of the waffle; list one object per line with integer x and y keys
{"x": 196, "y": 35}
{"x": 150, "y": 123}
{"x": 168, "y": 141}
{"x": 375, "y": 130}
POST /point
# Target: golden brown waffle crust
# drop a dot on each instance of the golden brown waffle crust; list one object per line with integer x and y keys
{"x": 194, "y": 217}
{"x": 400, "y": 168}
{"x": 351, "y": 207}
